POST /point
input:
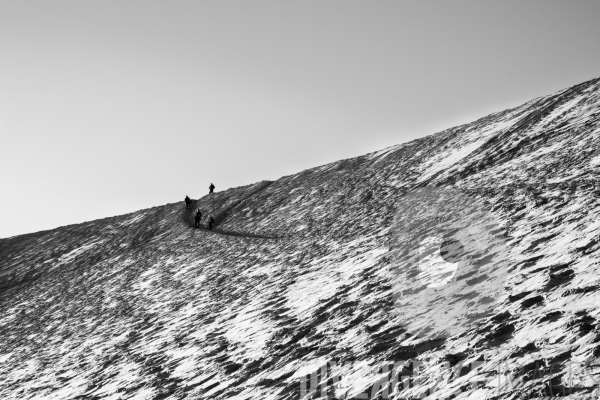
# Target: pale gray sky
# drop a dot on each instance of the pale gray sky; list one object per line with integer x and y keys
{"x": 107, "y": 107}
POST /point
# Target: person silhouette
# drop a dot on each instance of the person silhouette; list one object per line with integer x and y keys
{"x": 188, "y": 202}
{"x": 211, "y": 187}
{"x": 211, "y": 222}
{"x": 197, "y": 218}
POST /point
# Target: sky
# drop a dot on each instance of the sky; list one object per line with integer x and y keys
{"x": 108, "y": 107}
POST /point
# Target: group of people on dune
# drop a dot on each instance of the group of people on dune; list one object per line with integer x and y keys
{"x": 198, "y": 214}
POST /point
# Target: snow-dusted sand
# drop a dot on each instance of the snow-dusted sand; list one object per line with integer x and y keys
{"x": 300, "y": 278}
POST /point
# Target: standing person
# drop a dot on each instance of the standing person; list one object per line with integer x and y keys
{"x": 188, "y": 202}
{"x": 211, "y": 187}
{"x": 211, "y": 222}
{"x": 198, "y": 217}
